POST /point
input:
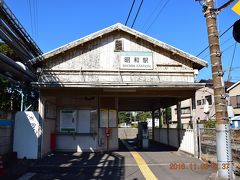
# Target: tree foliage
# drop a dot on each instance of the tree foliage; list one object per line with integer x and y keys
{"x": 10, "y": 93}
{"x": 142, "y": 116}
{"x": 6, "y": 50}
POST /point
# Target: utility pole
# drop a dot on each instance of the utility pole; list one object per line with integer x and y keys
{"x": 223, "y": 138}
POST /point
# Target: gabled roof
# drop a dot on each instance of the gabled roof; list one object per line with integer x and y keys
{"x": 234, "y": 85}
{"x": 199, "y": 63}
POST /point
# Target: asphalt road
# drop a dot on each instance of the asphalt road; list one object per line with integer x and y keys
{"x": 164, "y": 162}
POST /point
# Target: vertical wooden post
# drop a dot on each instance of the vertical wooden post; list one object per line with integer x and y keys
{"x": 179, "y": 125}
{"x": 223, "y": 138}
{"x": 166, "y": 118}
{"x": 153, "y": 125}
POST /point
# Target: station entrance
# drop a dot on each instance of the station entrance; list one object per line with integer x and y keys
{"x": 84, "y": 84}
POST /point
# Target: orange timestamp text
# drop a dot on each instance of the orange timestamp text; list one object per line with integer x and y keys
{"x": 198, "y": 166}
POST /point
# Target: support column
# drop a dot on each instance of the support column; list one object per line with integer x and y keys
{"x": 159, "y": 122}
{"x": 153, "y": 125}
{"x": 179, "y": 125}
{"x": 160, "y": 118}
{"x": 166, "y": 118}
{"x": 195, "y": 128}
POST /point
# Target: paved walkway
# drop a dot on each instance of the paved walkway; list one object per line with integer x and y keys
{"x": 159, "y": 162}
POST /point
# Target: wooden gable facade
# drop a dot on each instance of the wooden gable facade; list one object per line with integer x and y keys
{"x": 98, "y": 60}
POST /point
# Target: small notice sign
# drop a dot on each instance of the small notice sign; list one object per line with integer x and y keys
{"x": 136, "y": 60}
{"x": 236, "y": 8}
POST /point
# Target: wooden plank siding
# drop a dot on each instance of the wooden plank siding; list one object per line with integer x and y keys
{"x": 97, "y": 62}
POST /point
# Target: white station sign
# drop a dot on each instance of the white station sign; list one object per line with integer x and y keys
{"x": 136, "y": 60}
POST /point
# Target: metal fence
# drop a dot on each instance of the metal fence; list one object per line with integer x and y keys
{"x": 207, "y": 145}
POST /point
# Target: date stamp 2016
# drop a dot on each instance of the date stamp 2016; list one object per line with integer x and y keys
{"x": 198, "y": 166}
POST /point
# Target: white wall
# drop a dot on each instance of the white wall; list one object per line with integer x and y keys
{"x": 76, "y": 143}
{"x": 186, "y": 138}
{"x": 27, "y": 134}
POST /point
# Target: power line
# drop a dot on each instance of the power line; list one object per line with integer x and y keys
{"x": 130, "y": 12}
{"x": 31, "y": 18}
{"x": 221, "y": 45}
{"x": 163, "y": 7}
{"x": 150, "y": 16}
{"x": 220, "y": 36}
{"x": 223, "y": 50}
{"x": 230, "y": 67}
{"x": 36, "y": 18}
{"x": 137, "y": 13}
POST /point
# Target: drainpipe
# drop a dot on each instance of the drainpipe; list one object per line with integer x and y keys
{"x": 22, "y": 100}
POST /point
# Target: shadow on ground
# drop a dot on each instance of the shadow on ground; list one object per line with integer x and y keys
{"x": 80, "y": 166}
{"x": 105, "y": 165}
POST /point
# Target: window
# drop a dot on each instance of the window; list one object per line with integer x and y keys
{"x": 185, "y": 110}
{"x": 209, "y": 99}
{"x": 118, "y": 45}
{"x": 238, "y": 100}
{"x": 87, "y": 121}
{"x": 80, "y": 121}
{"x": 198, "y": 102}
{"x": 235, "y": 101}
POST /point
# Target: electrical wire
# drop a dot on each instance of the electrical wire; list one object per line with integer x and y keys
{"x": 221, "y": 44}
{"x": 36, "y": 18}
{"x": 139, "y": 8}
{"x": 163, "y": 7}
{"x": 226, "y": 49}
{"x": 152, "y": 13}
{"x": 129, "y": 14}
{"x": 230, "y": 67}
{"x": 208, "y": 45}
{"x": 31, "y": 17}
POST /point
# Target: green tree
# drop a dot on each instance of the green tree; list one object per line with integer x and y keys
{"x": 122, "y": 117}
{"x": 5, "y": 104}
{"x": 9, "y": 99}
{"x": 142, "y": 116}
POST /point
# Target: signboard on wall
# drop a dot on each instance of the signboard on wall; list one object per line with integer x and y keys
{"x": 68, "y": 119}
{"x": 136, "y": 60}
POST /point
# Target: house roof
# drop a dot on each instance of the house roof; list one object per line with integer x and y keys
{"x": 234, "y": 85}
{"x": 199, "y": 63}
{"x": 209, "y": 83}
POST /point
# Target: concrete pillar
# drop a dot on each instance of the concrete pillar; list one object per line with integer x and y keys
{"x": 179, "y": 126}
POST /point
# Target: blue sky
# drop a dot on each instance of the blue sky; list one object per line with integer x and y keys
{"x": 53, "y": 23}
